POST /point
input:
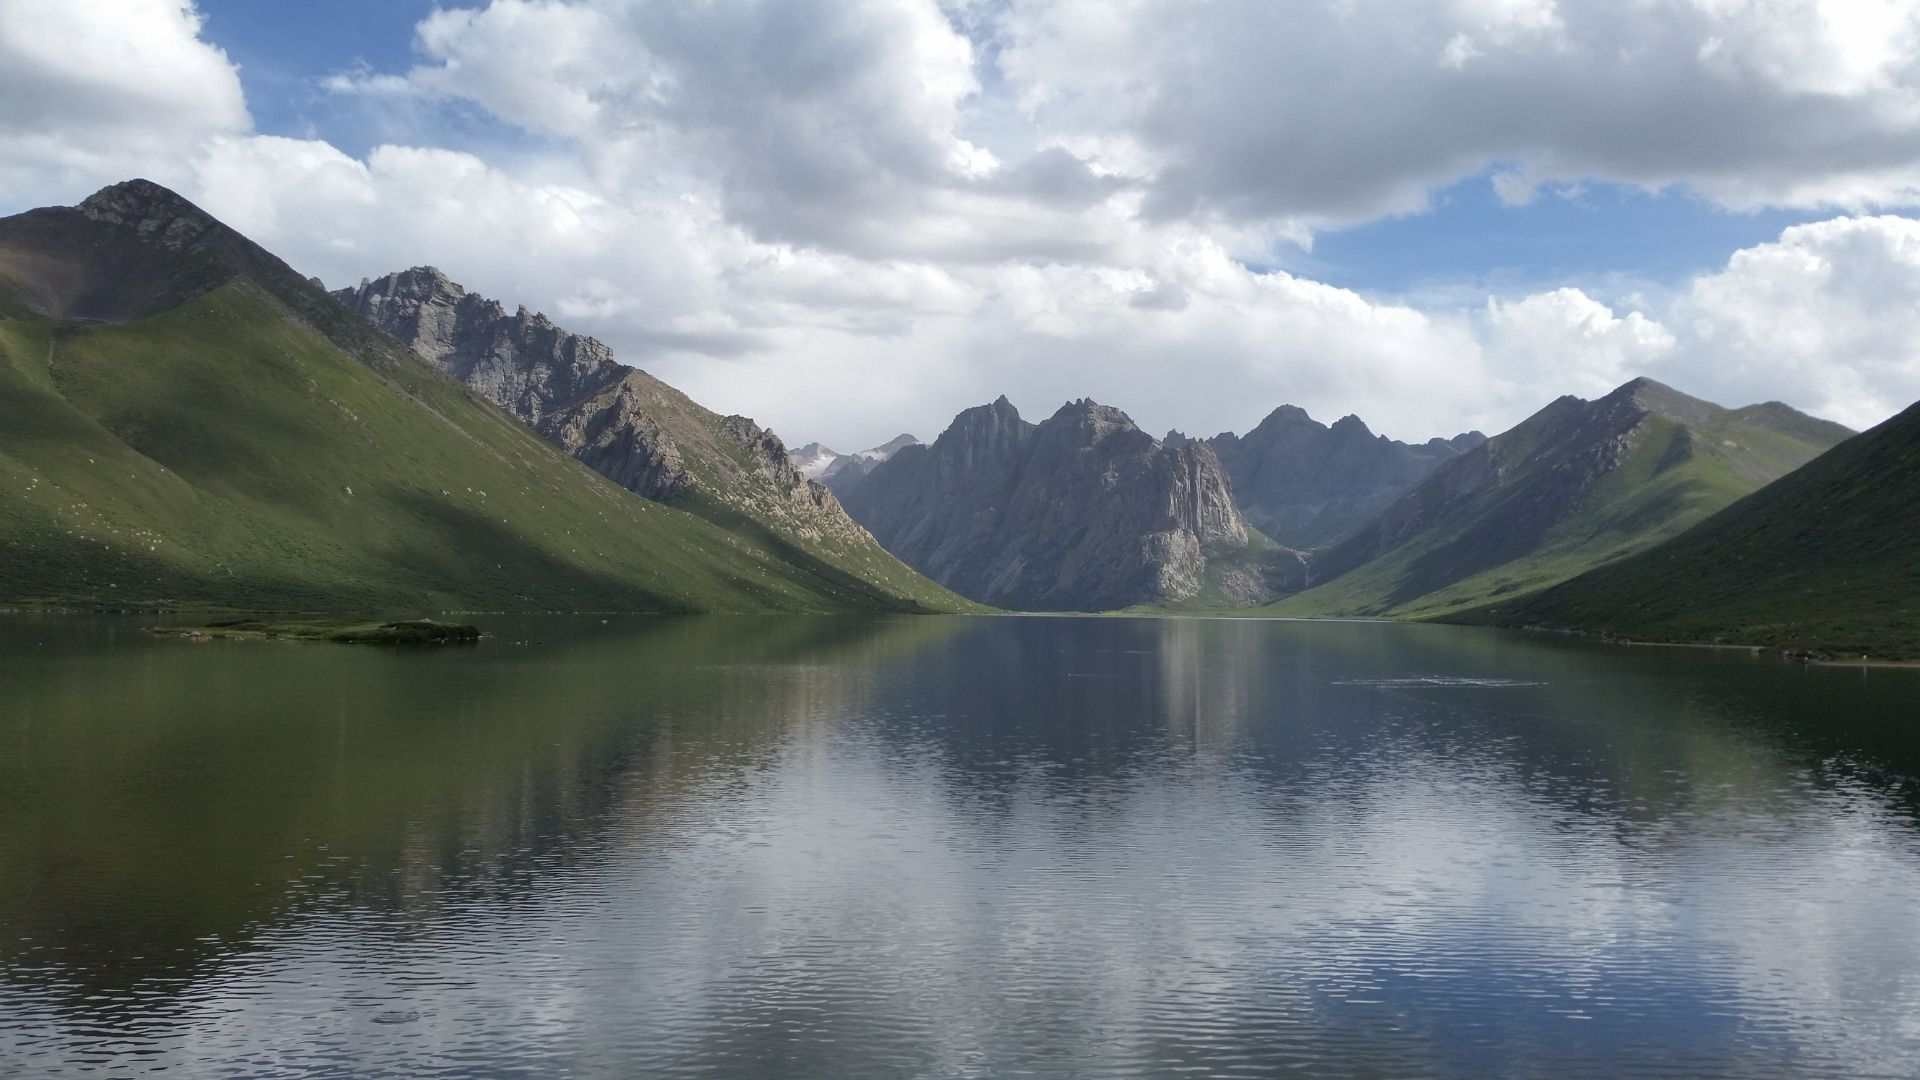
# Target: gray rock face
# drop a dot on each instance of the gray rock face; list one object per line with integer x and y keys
{"x": 623, "y": 423}
{"x": 1082, "y": 512}
{"x": 521, "y": 361}
{"x": 1306, "y": 484}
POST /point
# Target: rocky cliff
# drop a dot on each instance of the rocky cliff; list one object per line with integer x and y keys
{"x": 1306, "y": 484}
{"x": 622, "y": 422}
{"x": 1083, "y": 511}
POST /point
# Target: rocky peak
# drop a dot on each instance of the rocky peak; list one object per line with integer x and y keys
{"x": 521, "y": 362}
{"x": 1083, "y": 511}
{"x": 1306, "y": 484}
{"x": 159, "y": 215}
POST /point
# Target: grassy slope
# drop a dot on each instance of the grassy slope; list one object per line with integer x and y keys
{"x": 1673, "y": 477}
{"x": 1827, "y": 559}
{"x": 225, "y": 453}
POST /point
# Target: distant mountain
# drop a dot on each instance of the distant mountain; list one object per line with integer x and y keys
{"x": 1826, "y": 559}
{"x": 813, "y": 459}
{"x": 1306, "y": 484}
{"x": 1083, "y": 511}
{"x": 184, "y": 419}
{"x": 839, "y": 471}
{"x": 625, "y": 424}
{"x": 1578, "y": 484}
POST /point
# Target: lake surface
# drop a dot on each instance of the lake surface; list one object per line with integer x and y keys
{"x": 952, "y": 847}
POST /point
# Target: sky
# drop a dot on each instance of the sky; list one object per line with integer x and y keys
{"x": 852, "y": 218}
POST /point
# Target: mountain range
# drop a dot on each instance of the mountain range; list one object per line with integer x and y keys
{"x": 839, "y": 471}
{"x": 1083, "y": 511}
{"x": 1578, "y": 484}
{"x": 185, "y": 419}
{"x": 1305, "y": 484}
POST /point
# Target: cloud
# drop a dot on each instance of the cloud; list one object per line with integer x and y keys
{"x": 1342, "y": 112}
{"x": 95, "y": 90}
{"x": 869, "y": 217}
{"x": 1827, "y": 317}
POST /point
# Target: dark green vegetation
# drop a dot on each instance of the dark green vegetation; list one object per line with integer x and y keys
{"x": 402, "y": 632}
{"x": 1577, "y": 485}
{"x": 1826, "y": 560}
{"x": 185, "y": 420}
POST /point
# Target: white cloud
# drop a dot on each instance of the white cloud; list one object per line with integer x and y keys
{"x": 837, "y": 224}
{"x": 97, "y": 90}
{"x": 1337, "y": 112}
{"x": 1827, "y": 318}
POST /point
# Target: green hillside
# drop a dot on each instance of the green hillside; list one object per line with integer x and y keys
{"x": 1826, "y": 559}
{"x": 224, "y": 447}
{"x": 1576, "y": 485}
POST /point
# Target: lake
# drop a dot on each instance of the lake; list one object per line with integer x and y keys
{"x": 733, "y": 846}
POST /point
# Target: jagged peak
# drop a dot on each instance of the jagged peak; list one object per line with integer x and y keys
{"x": 1088, "y": 408}
{"x": 1352, "y": 424}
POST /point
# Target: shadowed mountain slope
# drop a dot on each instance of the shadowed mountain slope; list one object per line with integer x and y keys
{"x": 1577, "y": 484}
{"x": 1825, "y": 559}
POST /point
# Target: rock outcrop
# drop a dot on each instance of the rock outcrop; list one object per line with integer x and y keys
{"x": 1306, "y": 484}
{"x": 622, "y": 422}
{"x": 1081, "y": 512}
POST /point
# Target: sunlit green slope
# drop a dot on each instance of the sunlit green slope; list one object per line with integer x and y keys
{"x": 225, "y": 452}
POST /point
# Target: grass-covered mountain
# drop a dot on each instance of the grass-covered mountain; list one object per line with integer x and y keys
{"x": 1576, "y": 485}
{"x": 627, "y": 425}
{"x": 1825, "y": 559}
{"x": 186, "y": 420}
{"x": 1306, "y": 484}
{"x": 1083, "y": 511}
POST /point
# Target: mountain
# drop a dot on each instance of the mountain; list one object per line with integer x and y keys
{"x": 813, "y": 459}
{"x": 627, "y": 425}
{"x": 841, "y": 471}
{"x": 1305, "y": 484}
{"x": 184, "y": 419}
{"x": 1826, "y": 559}
{"x": 1083, "y": 511}
{"x": 1577, "y": 484}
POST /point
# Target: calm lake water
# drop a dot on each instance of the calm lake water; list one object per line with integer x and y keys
{"x": 952, "y": 847}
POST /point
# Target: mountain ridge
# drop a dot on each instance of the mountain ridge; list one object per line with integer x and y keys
{"x": 1306, "y": 484}
{"x": 184, "y": 419}
{"x": 1576, "y": 484}
{"x": 1083, "y": 511}
{"x": 620, "y": 421}
{"x": 1825, "y": 560}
